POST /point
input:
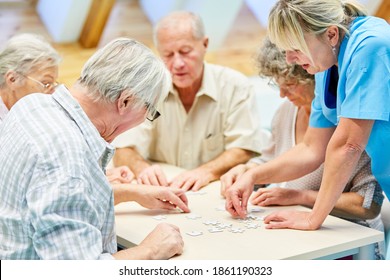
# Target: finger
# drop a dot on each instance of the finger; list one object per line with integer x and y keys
{"x": 238, "y": 207}
{"x": 160, "y": 176}
{"x": 154, "y": 179}
{"x": 182, "y": 196}
{"x": 230, "y": 208}
{"x": 258, "y": 198}
{"x": 166, "y": 205}
{"x": 197, "y": 186}
{"x": 143, "y": 179}
{"x": 127, "y": 175}
{"x": 277, "y": 225}
{"x": 175, "y": 200}
{"x": 188, "y": 184}
{"x": 273, "y": 217}
{"x": 177, "y": 182}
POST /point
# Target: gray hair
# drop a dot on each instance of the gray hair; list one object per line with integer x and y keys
{"x": 125, "y": 65}
{"x": 290, "y": 19}
{"x": 25, "y": 52}
{"x": 177, "y": 18}
{"x": 271, "y": 62}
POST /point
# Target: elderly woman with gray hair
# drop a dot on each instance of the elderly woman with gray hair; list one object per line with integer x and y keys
{"x": 362, "y": 197}
{"x": 28, "y": 64}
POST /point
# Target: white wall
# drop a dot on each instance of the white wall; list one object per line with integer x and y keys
{"x": 64, "y": 19}
{"x": 218, "y": 15}
{"x": 261, "y": 8}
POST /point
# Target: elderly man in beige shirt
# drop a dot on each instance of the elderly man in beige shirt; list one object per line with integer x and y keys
{"x": 209, "y": 120}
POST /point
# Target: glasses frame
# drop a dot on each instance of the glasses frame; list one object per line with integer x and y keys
{"x": 273, "y": 84}
{"x": 152, "y": 112}
{"x": 47, "y": 86}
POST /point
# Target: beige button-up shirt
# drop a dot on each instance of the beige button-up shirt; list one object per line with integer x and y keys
{"x": 224, "y": 116}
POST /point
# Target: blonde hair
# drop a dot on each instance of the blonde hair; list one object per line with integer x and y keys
{"x": 289, "y": 20}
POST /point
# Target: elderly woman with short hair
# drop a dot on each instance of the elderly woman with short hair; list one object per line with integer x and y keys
{"x": 28, "y": 64}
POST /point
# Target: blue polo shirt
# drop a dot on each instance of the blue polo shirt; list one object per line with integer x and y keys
{"x": 363, "y": 90}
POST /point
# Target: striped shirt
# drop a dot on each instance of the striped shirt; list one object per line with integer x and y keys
{"x": 3, "y": 110}
{"x": 56, "y": 202}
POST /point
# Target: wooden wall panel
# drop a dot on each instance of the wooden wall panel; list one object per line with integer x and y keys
{"x": 384, "y": 10}
{"x": 94, "y": 25}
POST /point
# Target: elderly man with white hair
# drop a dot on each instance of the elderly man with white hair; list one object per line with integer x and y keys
{"x": 56, "y": 200}
{"x": 209, "y": 121}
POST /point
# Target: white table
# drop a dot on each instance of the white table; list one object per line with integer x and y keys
{"x": 336, "y": 238}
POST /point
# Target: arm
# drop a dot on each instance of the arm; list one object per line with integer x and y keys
{"x": 152, "y": 197}
{"x": 129, "y": 156}
{"x": 228, "y": 179}
{"x": 210, "y": 171}
{"x": 298, "y": 161}
{"x": 349, "y": 205}
{"x": 342, "y": 155}
{"x": 163, "y": 242}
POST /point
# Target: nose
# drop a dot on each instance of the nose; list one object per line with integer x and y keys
{"x": 178, "y": 61}
{"x": 291, "y": 57}
{"x": 283, "y": 92}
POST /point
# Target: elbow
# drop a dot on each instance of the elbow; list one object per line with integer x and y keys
{"x": 353, "y": 148}
{"x": 373, "y": 211}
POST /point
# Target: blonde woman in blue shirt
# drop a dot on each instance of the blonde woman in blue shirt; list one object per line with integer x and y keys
{"x": 350, "y": 54}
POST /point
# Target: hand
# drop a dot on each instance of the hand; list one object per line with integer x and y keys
{"x": 229, "y": 178}
{"x": 291, "y": 219}
{"x": 164, "y": 242}
{"x": 153, "y": 175}
{"x": 238, "y": 194}
{"x": 156, "y": 197}
{"x": 276, "y": 196}
{"x": 119, "y": 175}
{"x": 191, "y": 180}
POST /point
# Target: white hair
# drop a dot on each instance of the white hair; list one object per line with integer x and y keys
{"x": 177, "y": 18}
{"x": 25, "y": 52}
{"x": 125, "y": 65}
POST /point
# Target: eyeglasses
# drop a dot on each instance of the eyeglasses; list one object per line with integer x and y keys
{"x": 271, "y": 83}
{"x": 47, "y": 86}
{"x": 152, "y": 112}
{"x": 290, "y": 87}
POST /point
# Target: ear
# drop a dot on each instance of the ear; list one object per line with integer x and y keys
{"x": 10, "y": 78}
{"x": 123, "y": 103}
{"x": 333, "y": 35}
{"x": 206, "y": 42}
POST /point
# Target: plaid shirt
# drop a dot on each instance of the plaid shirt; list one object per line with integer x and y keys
{"x": 56, "y": 202}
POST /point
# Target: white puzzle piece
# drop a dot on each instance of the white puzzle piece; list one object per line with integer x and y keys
{"x": 159, "y": 217}
{"x": 194, "y": 233}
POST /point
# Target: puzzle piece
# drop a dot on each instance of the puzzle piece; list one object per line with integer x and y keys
{"x": 194, "y": 233}
{"x": 211, "y": 223}
{"x": 193, "y": 216}
{"x": 252, "y": 226}
{"x": 255, "y": 210}
{"x": 159, "y": 217}
{"x": 237, "y": 230}
{"x": 215, "y": 229}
